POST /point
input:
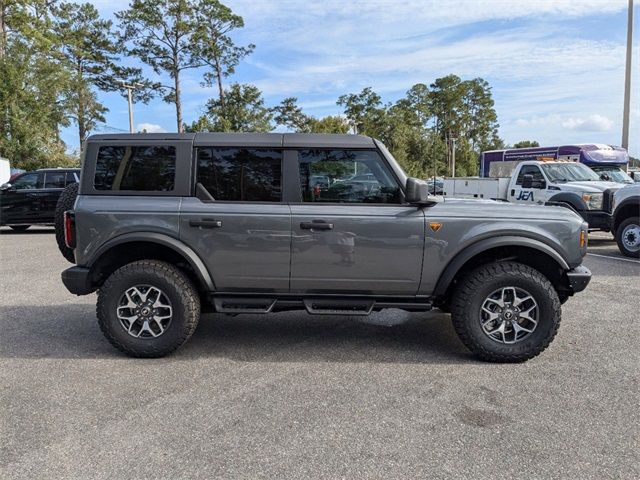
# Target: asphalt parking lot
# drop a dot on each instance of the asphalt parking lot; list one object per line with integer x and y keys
{"x": 294, "y": 396}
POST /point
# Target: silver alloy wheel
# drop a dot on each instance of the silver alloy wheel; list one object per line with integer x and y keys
{"x": 631, "y": 237}
{"x": 509, "y": 315}
{"x": 144, "y": 311}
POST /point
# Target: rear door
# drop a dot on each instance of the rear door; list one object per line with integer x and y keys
{"x": 54, "y": 183}
{"x": 238, "y": 222}
{"x": 352, "y": 232}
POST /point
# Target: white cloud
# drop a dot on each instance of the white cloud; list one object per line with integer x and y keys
{"x": 591, "y": 123}
{"x": 150, "y": 128}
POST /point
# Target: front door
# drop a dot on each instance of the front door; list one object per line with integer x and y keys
{"x": 351, "y": 233}
{"x": 20, "y": 202}
{"x": 238, "y": 223}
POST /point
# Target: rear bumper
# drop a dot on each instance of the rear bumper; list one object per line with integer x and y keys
{"x": 579, "y": 278}
{"x": 597, "y": 219}
{"x": 77, "y": 280}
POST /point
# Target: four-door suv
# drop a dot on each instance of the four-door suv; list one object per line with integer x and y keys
{"x": 30, "y": 198}
{"x": 165, "y": 224}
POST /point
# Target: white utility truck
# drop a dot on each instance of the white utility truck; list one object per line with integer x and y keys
{"x": 542, "y": 182}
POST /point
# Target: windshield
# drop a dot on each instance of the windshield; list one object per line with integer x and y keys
{"x": 569, "y": 172}
{"x": 615, "y": 174}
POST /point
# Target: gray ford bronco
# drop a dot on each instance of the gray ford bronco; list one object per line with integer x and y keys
{"x": 166, "y": 225}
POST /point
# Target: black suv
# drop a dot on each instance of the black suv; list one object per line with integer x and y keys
{"x": 31, "y": 197}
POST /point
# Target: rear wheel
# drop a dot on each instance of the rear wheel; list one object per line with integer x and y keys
{"x": 66, "y": 202}
{"x": 148, "y": 308}
{"x": 505, "y": 312}
{"x": 19, "y": 228}
{"x": 628, "y": 237}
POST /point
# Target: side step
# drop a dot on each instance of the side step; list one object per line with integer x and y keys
{"x": 338, "y": 307}
{"x": 317, "y": 305}
{"x": 243, "y": 305}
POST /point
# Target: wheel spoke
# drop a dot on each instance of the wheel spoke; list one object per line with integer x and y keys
{"x": 503, "y": 309}
{"x": 144, "y": 311}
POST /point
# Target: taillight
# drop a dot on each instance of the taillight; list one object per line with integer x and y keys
{"x": 70, "y": 229}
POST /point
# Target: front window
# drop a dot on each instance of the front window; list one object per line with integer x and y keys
{"x": 346, "y": 176}
{"x": 569, "y": 172}
{"x": 614, "y": 174}
{"x": 26, "y": 182}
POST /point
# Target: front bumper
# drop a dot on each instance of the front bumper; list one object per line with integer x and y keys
{"x": 597, "y": 219}
{"x": 579, "y": 278}
{"x": 77, "y": 280}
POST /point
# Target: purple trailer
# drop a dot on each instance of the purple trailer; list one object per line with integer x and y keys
{"x": 603, "y": 159}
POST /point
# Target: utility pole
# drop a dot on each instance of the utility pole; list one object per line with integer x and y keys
{"x": 130, "y": 88}
{"x": 627, "y": 80}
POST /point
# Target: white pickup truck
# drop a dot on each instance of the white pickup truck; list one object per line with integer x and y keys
{"x": 565, "y": 183}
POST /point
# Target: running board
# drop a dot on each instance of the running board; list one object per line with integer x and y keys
{"x": 233, "y": 303}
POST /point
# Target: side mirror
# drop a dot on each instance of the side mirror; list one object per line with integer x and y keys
{"x": 5, "y": 186}
{"x": 417, "y": 193}
{"x": 605, "y": 177}
{"x": 527, "y": 181}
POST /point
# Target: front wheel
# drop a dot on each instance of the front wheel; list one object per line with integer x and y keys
{"x": 148, "y": 308}
{"x": 505, "y": 312}
{"x": 628, "y": 237}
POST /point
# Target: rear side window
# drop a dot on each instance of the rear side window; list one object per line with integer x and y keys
{"x": 346, "y": 176}
{"x": 241, "y": 174}
{"x": 72, "y": 177}
{"x": 54, "y": 179}
{"x": 136, "y": 168}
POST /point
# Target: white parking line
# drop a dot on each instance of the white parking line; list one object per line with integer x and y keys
{"x": 614, "y": 258}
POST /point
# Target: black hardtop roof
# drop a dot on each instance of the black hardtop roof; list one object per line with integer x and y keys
{"x": 314, "y": 140}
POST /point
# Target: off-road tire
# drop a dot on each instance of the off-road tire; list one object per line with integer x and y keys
{"x": 178, "y": 288}
{"x": 65, "y": 202}
{"x": 478, "y": 284}
{"x": 19, "y": 228}
{"x": 623, "y": 249}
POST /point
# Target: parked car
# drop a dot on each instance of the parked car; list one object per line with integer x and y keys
{"x": 166, "y": 224}
{"x": 625, "y": 222}
{"x": 31, "y": 197}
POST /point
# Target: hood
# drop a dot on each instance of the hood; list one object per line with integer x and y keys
{"x": 461, "y": 207}
{"x": 588, "y": 187}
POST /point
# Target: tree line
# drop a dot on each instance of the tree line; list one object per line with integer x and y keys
{"x": 56, "y": 56}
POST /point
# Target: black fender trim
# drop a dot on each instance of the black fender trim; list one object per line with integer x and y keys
{"x": 462, "y": 257}
{"x": 617, "y": 217}
{"x": 165, "y": 240}
{"x": 569, "y": 198}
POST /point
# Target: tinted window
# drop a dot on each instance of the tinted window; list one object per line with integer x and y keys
{"x": 137, "y": 168}
{"x": 241, "y": 174}
{"x": 30, "y": 180}
{"x": 72, "y": 177}
{"x": 54, "y": 179}
{"x": 530, "y": 170}
{"x": 349, "y": 176}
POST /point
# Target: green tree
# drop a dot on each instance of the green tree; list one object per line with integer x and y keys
{"x": 290, "y": 115}
{"x": 89, "y": 50}
{"x": 32, "y": 88}
{"x": 244, "y": 111}
{"x": 526, "y": 144}
{"x": 162, "y": 33}
{"x": 213, "y": 43}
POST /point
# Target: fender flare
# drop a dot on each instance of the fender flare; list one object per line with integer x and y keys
{"x": 569, "y": 198}
{"x": 466, "y": 254}
{"x": 616, "y": 218}
{"x": 174, "y": 244}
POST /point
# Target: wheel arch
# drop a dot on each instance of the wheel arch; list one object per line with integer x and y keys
{"x": 525, "y": 250}
{"x": 152, "y": 246}
{"x": 569, "y": 198}
{"x": 628, "y": 208}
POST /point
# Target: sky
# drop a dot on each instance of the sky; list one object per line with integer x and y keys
{"x": 556, "y": 67}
